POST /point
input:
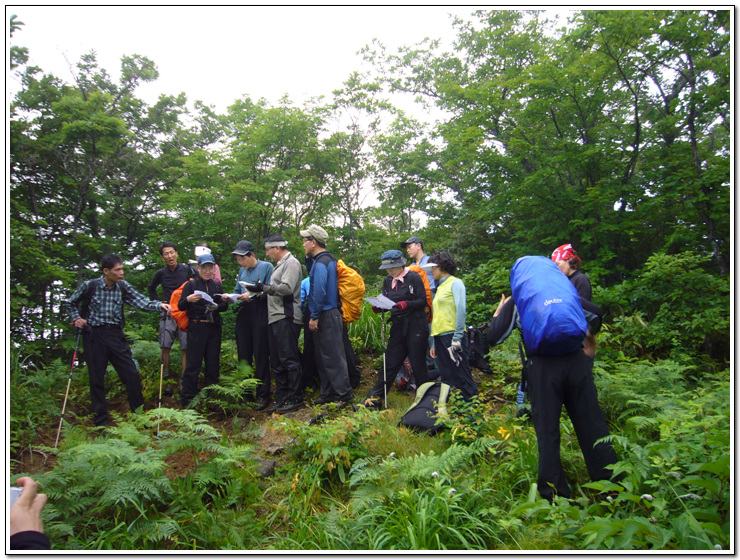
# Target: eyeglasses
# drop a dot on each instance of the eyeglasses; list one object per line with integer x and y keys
{"x": 308, "y": 239}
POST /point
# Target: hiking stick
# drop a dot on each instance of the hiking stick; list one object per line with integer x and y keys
{"x": 66, "y": 393}
{"x": 161, "y": 375}
{"x": 385, "y": 386}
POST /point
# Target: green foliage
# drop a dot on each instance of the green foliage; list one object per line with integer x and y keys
{"x": 612, "y": 133}
{"x": 330, "y": 448}
{"x": 466, "y": 421}
{"x": 228, "y": 396}
{"x": 673, "y": 308}
{"x": 433, "y": 516}
{"x": 119, "y": 491}
{"x": 35, "y": 400}
{"x": 366, "y": 334}
{"x": 483, "y": 288}
{"x": 675, "y": 491}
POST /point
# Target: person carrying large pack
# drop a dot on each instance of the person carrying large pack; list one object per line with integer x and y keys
{"x": 547, "y": 309}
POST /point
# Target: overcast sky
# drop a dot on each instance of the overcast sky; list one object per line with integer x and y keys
{"x": 218, "y": 54}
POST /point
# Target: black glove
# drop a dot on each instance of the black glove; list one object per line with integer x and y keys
{"x": 256, "y": 287}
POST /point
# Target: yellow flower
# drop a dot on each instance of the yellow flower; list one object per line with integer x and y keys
{"x": 504, "y": 433}
{"x": 295, "y": 482}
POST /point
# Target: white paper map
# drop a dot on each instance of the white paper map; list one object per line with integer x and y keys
{"x": 381, "y": 302}
{"x": 205, "y": 296}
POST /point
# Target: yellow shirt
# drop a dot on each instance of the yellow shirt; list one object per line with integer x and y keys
{"x": 444, "y": 310}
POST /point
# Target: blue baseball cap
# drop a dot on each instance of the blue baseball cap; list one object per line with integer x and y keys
{"x": 206, "y": 258}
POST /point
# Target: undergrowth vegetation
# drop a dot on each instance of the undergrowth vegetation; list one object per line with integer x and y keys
{"x": 168, "y": 479}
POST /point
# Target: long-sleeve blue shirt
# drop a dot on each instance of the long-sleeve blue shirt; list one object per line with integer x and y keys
{"x": 261, "y": 272}
{"x": 324, "y": 293}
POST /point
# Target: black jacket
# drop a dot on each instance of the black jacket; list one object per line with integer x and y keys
{"x": 412, "y": 291}
{"x": 197, "y": 310}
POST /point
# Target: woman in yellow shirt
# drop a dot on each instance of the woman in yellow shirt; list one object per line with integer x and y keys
{"x": 448, "y": 325}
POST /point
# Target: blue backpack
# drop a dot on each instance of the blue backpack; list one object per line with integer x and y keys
{"x": 550, "y": 311}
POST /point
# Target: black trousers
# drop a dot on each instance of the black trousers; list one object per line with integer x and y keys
{"x": 103, "y": 345}
{"x": 331, "y": 361}
{"x": 285, "y": 359}
{"x": 409, "y": 337}
{"x": 309, "y": 375}
{"x": 554, "y": 381}
{"x": 457, "y": 376}
{"x": 308, "y": 360}
{"x": 204, "y": 347}
{"x": 349, "y": 353}
{"x": 252, "y": 342}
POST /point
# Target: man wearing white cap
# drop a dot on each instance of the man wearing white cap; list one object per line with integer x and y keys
{"x": 285, "y": 320}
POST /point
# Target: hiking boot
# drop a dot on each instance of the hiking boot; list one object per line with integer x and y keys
{"x": 274, "y": 407}
{"x": 289, "y": 407}
{"x": 261, "y": 404}
{"x": 322, "y": 400}
{"x": 341, "y": 404}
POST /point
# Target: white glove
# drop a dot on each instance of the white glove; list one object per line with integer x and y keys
{"x": 455, "y": 351}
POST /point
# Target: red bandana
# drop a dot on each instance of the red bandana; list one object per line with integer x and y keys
{"x": 563, "y": 253}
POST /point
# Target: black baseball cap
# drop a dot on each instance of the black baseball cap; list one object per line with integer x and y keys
{"x": 410, "y": 240}
{"x": 243, "y": 247}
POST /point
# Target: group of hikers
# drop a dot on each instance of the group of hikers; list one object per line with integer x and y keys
{"x": 275, "y": 302}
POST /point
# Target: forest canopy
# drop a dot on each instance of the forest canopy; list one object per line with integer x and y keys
{"x": 611, "y": 133}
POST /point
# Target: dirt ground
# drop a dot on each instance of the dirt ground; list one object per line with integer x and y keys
{"x": 34, "y": 459}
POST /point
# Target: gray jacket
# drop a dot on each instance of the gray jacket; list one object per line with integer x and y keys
{"x": 284, "y": 291}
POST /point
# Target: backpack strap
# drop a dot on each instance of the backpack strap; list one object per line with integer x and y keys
{"x": 92, "y": 287}
{"x": 444, "y": 393}
{"x": 522, "y": 355}
{"x": 331, "y": 258}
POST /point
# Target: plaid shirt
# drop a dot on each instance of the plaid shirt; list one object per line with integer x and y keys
{"x": 106, "y": 304}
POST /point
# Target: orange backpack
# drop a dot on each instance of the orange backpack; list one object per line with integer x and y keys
{"x": 351, "y": 292}
{"x": 180, "y": 317}
{"x": 424, "y": 278}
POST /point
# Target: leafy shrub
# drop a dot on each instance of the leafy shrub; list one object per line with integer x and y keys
{"x": 483, "y": 287}
{"x": 673, "y": 308}
{"x": 35, "y": 399}
{"x": 229, "y": 395}
{"x": 676, "y": 489}
{"x": 366, "y": 334}
{"x": 630, "y": 388}
{"x": 330, "y": 448}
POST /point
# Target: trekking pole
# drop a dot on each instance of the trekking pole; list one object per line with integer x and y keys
{"x": 161, "y": 376}
{"x": 385, "y": 386}
{"x": 66, "y": 393}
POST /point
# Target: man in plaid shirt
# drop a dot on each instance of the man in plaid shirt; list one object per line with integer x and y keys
{"x": 97, "y": 308}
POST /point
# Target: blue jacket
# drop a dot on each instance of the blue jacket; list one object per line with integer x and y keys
{"x": 324, "y": 294}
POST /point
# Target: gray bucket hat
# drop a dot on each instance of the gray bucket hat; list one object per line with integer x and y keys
{"x": 391, "y": 259}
